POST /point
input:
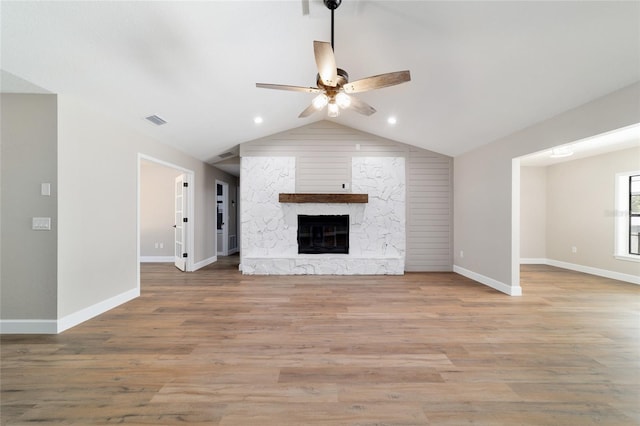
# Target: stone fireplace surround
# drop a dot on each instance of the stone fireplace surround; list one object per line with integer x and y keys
{"x": 377, "y": 237}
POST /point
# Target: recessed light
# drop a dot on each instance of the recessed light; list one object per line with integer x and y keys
{"x": 392, "y": 120}
{"x": 563, "y": 151}
{"x": 258, "y": 120}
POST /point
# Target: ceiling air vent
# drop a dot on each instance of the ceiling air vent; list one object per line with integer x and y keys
{"x": 225, "y": 155}
{"x": 157, "y": 120}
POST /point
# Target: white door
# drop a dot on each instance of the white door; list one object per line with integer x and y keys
{"x": 181, "y": 222}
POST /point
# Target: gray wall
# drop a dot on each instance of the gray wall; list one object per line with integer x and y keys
{"x": 98, "y": 208}
{"x": 157, "y": 209}
{"x": 533, "y": 212}
{"x": 88, "y": 262}
{"x": 323, "y": 152}
{"x": 28, "y": 285}
{"x": 486, "y": 205}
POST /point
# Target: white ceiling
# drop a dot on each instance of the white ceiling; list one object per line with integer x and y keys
{"x": 480, "y": 70}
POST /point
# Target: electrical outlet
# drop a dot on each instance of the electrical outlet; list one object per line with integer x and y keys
{"x": 461, "y": 254}
{"x": 574, "y": 249}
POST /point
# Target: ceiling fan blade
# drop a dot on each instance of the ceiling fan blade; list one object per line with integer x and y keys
{"x": 361, "y": 107}
{"x": 308, "y": 111}
{"x": 287, "y": 87}
{"x": 326, "y": 62}
{"x": 377, "y": 82}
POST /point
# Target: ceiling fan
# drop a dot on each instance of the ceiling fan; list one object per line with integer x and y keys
{"x": 333, "y": 86}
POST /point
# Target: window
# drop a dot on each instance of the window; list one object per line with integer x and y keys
{"x": 634, "y": 214}
{"x": 627, "y": 216}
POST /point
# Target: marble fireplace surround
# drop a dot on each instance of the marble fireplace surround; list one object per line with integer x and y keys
{"x": 377, "y": 237}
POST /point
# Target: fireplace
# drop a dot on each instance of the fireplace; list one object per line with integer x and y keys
{"x": 323, "y": 234}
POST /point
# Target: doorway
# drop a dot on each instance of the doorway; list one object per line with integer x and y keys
{"x": 222, "y": 218}
{"x": 565, "y": 208}
{"x": 157, "y": 228}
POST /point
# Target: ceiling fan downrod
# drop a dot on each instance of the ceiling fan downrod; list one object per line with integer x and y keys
{"x": 333, "y": 88}
{"x": 332, "y": 5}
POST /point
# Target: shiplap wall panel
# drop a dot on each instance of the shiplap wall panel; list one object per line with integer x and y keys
{"x": 429, "y": 212}
{"x": 323, "y": 152}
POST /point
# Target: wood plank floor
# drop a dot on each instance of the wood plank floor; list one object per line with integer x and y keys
{"x": 217, "y": 348}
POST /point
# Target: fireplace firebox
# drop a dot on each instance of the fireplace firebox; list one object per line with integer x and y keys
{"x": 323, "y": 234}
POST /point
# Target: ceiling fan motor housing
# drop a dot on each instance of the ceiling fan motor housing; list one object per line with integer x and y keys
{"x": 343, "y": 78}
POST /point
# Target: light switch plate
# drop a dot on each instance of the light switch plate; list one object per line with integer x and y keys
{"x": 45, "y": 189}
{"x": 41, "y": 223}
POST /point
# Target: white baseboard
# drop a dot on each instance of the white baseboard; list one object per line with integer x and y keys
{"x": 204, "y": 263}
{"x": 170, "y": 259}
{"x": 533, "y": 261}
{"x": 495, "y": 284}
{"x": 156, "y": 259}
{"x": 633, "y": 279}
{"x": 233, "y": 251}
{"x": 87, "y": 313}
{"x": 29, "y": 326}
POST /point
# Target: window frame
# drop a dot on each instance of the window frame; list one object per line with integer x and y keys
{"x": 622, "y": 215}
{"x": 631, "y": 213}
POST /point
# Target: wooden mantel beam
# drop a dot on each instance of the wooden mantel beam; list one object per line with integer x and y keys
{"x": 323, "y": 198}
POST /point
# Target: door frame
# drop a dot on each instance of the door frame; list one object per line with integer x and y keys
{"x": 190, "y": 175}
{"x": 225, "y": 218}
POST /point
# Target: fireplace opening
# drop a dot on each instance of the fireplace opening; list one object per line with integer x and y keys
{"x": 323, "y": 234}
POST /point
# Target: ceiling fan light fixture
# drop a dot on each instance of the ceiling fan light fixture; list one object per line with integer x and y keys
{"x": 343, "y": 100}
{"x": 333, "y": 110}
{"x": 320, "y": 101}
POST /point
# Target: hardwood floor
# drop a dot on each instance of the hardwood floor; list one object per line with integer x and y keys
{"x": 217, "y": 348}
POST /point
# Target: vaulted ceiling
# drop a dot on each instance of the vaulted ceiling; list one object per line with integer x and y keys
{"x": 480, "y": 70}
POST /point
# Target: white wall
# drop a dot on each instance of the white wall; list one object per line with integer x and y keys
{"x": 580, "y": 211}
{"x": 486, "y": 195}
{"x": 533, "y": 213}
{"x": 28, "y": 284}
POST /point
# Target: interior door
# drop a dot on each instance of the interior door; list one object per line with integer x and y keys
{"x": 181, "y": 222}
